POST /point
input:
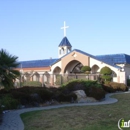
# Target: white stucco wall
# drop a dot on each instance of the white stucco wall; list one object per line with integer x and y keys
{"x": 127, "y": 70}
{"x": 101, "y": 64}
{"x": 58, "y": 64}
{"x": 123, "y": 77}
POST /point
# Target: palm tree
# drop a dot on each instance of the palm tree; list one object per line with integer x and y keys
{"x": 8, "y": 74}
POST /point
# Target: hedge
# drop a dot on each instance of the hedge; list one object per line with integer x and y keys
{"x": 114, "y": 86}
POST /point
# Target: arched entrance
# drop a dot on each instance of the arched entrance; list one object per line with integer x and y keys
{"x": 77, "y": 68}
{"x": 73, "y": 67}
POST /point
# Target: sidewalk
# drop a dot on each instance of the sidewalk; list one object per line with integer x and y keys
{"x": 12, "y": 120}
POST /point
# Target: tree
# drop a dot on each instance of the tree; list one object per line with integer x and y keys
{"x": 86, "y": 69}
{"x": 8, "y": 74}
{"x": 106, "y": 73}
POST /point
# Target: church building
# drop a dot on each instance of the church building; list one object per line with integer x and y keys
{"x": 70, "y": 61}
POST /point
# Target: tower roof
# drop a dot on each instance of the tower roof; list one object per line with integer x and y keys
{"x": 65, "y": 42}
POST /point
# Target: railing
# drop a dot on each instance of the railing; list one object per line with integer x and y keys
{"x": 54, "y": 79}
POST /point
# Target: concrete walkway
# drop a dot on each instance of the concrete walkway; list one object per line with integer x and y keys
{"x": 12, "y": 120}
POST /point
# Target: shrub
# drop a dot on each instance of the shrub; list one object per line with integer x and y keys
{"x": 32, "y": 83}
{"x": 0, "y": 109}
{"x": 23, "y": 98}
{"x": 123, "y": 87}
{"x": 95, "y": 92}
{"x": 4, "y": 91}
{"x": 106, "y": 71}
{"x": 66, "y": 98}
{"x": 72, "y": 86}
{"x": 45, "y": 94}
{"x": 9, "y": 102}
{"x": 106, "y": 77}
{"x": 106, "y": 74}
{"x": 58, "y": 80}
{"x": 85, "y": 69}
{"x": 108, "y": 88}
{"x": 87, "y": 85}
{"x": 114, "y": 86}
{"x": 25, "y": 94}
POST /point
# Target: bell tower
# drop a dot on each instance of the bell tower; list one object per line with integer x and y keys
{"x": 64, "y": 46}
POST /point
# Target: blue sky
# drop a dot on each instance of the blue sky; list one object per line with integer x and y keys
{"x": 30, "y": 29}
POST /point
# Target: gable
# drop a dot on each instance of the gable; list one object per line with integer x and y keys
{"x": 74, "y": 55}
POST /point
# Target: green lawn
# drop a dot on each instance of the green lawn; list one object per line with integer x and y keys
{"x": 102, "y": 117}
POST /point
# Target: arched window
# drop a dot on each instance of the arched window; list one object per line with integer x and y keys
{"x": 62, "y": 51}
{"x": 95, "y": 69}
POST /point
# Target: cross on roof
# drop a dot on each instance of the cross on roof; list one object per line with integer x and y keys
{"x": 65, "y": 27}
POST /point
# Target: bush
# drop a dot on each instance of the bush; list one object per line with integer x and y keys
{"x": 25, "y": 94}
{"x": 123, "y": 87}
{"x": 1, "y": 110}
{"x": 85, "y": 69}
{"x": 32, "y": 83}
{"x": 45, "y": 94}
{"x": 58, "y": 80}
{"x": 106, "y": 77}
{"x": 23, "y": 98}
{"x": 9, "y": 102}
{"x": 106, "y": 74}
{"x": 28, "y": 95}
{"x": 108, "y": 88}
{"x": 114, "y": 86}
{"x": 66, "y": 98}
{"x": 95, "y": 92}
{"x": 106, "y": 71}
{"x": 4, "y": 91}
{"x": 87, "y": 85}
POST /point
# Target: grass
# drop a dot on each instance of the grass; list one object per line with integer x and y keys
{"x": 102, "y": 117}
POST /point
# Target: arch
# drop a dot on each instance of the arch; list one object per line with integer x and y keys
{"x": 95, "y": 69}
{"x": 36, "y": 77}
{"x": 68, "y": 50}
{"x": 57, "y": 70}
{"x": 73, "y": 66}
{"x": 114, "y": 74}
{"x": 76, "y": 57}
{"x": 62, "y": 50}
{"x": 26, "y": 76}
{"x": 77, "y": 68}
{"x": 46, "y": 77}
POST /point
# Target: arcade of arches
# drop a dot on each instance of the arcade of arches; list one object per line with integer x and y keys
{"x": 71, "y": 71}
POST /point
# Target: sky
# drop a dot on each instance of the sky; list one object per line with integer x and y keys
{"x": 31, "y": 29}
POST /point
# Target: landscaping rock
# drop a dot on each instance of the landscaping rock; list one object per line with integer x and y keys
{"x": 82, "y": 98}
